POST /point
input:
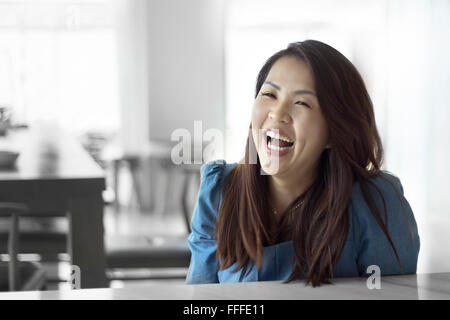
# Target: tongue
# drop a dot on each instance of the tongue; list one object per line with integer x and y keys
{"x": 280, "y": 143}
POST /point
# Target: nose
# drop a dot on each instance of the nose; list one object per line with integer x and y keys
{"x": 279, "y": 113}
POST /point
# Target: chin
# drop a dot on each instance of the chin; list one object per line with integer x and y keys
{"x": 270, "y": 167}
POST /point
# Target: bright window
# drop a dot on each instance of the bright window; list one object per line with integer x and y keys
{"x": 58, "y": 62}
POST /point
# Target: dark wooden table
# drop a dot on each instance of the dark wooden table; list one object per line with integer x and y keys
{"x": 54, "y": 175}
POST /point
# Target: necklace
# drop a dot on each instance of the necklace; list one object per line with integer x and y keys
{"x": 296, "y": 207}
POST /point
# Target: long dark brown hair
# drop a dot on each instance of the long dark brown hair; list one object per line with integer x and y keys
{"x": 318, "y": 228}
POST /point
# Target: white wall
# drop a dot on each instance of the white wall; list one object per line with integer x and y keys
{"x": 132, "y": 37}
{"x": 418, "y": 144}
{"x": 172, "y": 74}
{"x": 172, "y": 67}
{"x": 186, "y": 69}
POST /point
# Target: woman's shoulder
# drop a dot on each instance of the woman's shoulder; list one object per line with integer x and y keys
{"x": 386, "y": 192}
{"x": 383, "y": 184}
{"x": 215, "y": 171}
{"x": 373, "y": 247}
{"x": 209, "y": 197}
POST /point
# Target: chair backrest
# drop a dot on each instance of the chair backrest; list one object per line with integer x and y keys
{"x": 13, "y": 210}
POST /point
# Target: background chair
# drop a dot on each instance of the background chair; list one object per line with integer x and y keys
{"x": 130, "y": 252}
{"x": 17, "y": 275}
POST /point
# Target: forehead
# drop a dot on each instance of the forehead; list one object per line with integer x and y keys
{"x": 291, "y": 73}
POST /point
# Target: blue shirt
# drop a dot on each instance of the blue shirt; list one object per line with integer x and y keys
{"x": 366, "y": 243}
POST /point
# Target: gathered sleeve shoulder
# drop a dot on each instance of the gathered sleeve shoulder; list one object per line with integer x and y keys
{"x": 203, "y": 265}
{"x": 373, "y": 247}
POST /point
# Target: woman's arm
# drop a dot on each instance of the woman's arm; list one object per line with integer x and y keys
{"x": 203, "y": 266}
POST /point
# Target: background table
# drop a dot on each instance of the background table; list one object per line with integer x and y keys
{"x": 54, "y": 175}
{"x": 422, "y": 286}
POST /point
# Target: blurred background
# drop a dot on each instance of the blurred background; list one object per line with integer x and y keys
{"x": 121, "y": 75}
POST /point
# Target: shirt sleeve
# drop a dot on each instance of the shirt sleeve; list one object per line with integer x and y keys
{"x": 203, "y": 265}
{"x": 372, "y": 243}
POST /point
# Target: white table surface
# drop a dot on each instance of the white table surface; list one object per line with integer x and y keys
{"x": 420, "y": 286}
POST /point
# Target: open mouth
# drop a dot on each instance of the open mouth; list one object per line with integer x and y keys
{"x": 276, "y": 142}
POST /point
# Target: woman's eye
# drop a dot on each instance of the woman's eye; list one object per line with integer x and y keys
{"x": 303, "y": 103}
{"x": 268, "y": 94}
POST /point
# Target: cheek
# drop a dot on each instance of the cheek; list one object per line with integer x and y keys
{"x": 322, "y": 133}
{"x": 259, "y": 114}
{"x": 258, "y": 117}
{"x": 313, "y": 133}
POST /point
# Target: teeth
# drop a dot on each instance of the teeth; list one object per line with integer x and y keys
{"x": 274, "y": 135}
{"x": 276, "y": 147}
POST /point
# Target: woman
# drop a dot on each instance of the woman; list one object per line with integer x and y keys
{"x": 315, "y": 203}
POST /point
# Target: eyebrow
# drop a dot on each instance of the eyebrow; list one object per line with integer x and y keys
{"x": 304, "y": 91}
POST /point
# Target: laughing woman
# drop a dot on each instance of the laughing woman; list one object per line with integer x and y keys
{"x": 315, "y": 204}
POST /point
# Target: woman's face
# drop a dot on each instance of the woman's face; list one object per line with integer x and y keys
{"x": 287, "y": 105}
